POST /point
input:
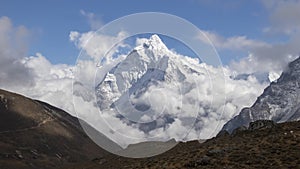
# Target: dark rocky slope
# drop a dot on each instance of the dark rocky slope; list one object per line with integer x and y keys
{"x": 263, "y": 145}
{"x": 34, "y": 134}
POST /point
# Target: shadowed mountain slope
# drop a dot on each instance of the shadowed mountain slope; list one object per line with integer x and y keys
{"x": 34, "y": 134}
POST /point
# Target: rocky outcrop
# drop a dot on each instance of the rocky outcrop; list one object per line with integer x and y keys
{"x": 261, "y": 124}
{"x": 253, "y": 126}
{"x": 239, "y": 130}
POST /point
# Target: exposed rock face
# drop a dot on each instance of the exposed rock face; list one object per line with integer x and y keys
{"x": 222, "y": 133}
{"x": 239, "y": 130}
{"x": 261, "y": 124}
{"x": 253, "y": 126}
{"x": 279, "y": 102}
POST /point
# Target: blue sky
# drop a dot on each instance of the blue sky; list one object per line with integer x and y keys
{"x": 50, "y": 21}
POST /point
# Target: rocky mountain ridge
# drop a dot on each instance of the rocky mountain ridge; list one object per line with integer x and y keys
{"x": 279, "y": 102}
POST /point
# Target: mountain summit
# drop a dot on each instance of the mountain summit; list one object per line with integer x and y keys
{"x": 279, "y": 102}
{"x": 155, "y": 44}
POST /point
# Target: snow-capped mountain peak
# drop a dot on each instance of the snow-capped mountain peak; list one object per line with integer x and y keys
{"x": 153, "y": 43}
{"x": 153, "y": 49}
{"x": 148, "y": 72}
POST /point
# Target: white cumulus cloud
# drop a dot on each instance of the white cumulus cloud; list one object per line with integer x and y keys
{"x": 13, "y": 47}
{"x": 231, "y": 43}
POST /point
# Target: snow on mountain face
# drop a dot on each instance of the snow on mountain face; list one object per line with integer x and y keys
{"x": 279, "y": 102}
{"x": 149, "y": 85}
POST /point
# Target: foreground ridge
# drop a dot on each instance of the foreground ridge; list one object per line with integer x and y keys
{"x": 263, "y": 145}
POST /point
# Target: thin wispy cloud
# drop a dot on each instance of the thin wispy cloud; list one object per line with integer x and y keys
{"x": 94, "y": 21}
{"x": 241, "y": 43}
